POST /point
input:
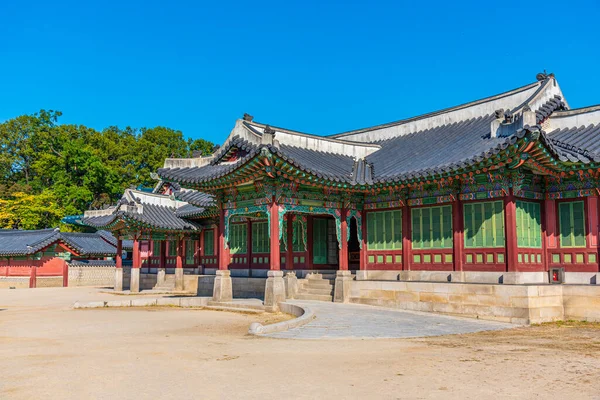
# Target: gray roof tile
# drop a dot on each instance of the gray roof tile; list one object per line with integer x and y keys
{"x": 24, "y": 243}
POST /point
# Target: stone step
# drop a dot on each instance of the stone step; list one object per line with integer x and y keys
{"x": 241, "y": 305}
{"x": 326, "y": 292}
{"x": 316, "y": 284}
{"x": 235, "y": 309}
{"x": 323, "y": 286}
{"x": 329, "y": 277}
{"x": 164, "y": 288}
{"x": 318, "y": 297}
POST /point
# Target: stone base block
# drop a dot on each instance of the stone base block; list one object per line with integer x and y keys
{"x": 134, "y": 285}
{"x": 222, "y": 289}
{"x": 343, "y": 282}
{"x": 118, "y": 280}
{"x": 582, "y": 278}
{"x": 291, "y": 285}
{"x": 274, "y": 290}
{"x": 160, "y": 276}
{"x": 179, "y": 279}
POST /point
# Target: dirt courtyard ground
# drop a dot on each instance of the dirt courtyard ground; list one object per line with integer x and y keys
{"x": 48, "y": 350}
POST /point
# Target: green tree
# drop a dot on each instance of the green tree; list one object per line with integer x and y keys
{"x": 30, "y": 211}
{"x": 73, "y": 168}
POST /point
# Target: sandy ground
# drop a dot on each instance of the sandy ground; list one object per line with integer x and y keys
{"x": 49, "y": 351}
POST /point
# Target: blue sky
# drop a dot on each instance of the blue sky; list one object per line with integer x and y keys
{"x": 315, "y": 66}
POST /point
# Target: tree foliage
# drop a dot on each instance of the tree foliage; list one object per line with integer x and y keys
{"x": 49, "y": 170}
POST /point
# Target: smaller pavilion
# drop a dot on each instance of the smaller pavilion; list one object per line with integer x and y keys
{"x": 164, "y": 232}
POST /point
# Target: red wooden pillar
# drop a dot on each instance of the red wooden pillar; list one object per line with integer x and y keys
{"x": 136, "y": 258}
{"x": 180, "y": 250}
{"x": 33, "y": 275}
{"x": 510, "y": 227}
{"x": 591, "y": 203}
{"x": 201, "y": 244}
{"x": 550, "y": 233}
{"x": 249, "y": 249}
{"x": 545, "y": 255}
{"x": 363, "y": 242}
{"x": 458, "y": 234}
{"x": 162, "y": 258}
{"x": 223, "y": 252}
{"x": 289, "y": 255}
{"x": 119, "y": 256}
{"x": 65, "y": 274}
{"x": 274, "y": 239}
{"x": 343, "y": 258}
{"x": 406, "y": 239}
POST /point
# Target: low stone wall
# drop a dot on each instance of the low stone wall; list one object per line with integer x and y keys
{"x": 581, "y": 302}
{"x": 91, "y": 276}
{"x": 17, "y": 282}
{"x": 49, "y": 281}
{"x": 520, "y": 304}
{"x": 243, "y": 288}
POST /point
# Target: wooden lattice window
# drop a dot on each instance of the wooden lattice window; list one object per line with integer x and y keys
{"x": 190, "y": 251}
{"x": 209, "y": 242}
{"x": 298, "y": 244}
{"x": 238, "y": 238}
{"x": 172, "y": 248}
{"x": 432, "y": 227}
{"x": 484, "y": 224}
{"x": 529, "y": 225}
{"x": 260, "y": 237}
{"x": 156, "y": 248}
{"x": 572, "y": 224}
{"x": 384, "y": 230}
{"x": 320, "y": 241}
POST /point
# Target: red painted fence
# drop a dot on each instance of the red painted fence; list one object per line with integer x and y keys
{"x": 36, "y": 268}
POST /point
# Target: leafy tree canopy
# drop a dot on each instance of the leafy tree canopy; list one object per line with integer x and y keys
{"x": 49, "y": 170}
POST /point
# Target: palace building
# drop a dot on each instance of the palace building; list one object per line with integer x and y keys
{"x": 501, "y": 190}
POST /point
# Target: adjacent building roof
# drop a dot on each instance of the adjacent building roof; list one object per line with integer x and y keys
{"x": 88, "y": 244}
{"x": 15, "y": 243}
{"x": 143, "y": 209}
{"x": 109, "y": 237}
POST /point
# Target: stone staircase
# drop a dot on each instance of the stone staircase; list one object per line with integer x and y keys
{"x": 316, "y": 287}
{"x": 168, "y": 285}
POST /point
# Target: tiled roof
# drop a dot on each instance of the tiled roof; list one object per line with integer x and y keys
{"x": 334, "y": 167}
{"x": 189, "y": 211}
{"x": 548, "y": 108}
{"x": 109, "y": 237}
{"x": 91, "y": 263}
{"x": 24, "y": 243}
{"x": 434, "y": 150}
{"x": 414, "y": 148}
{"x": 158, "y": 211}
{"x": 577, "y": 144}
{"x": 88, "y": 244}
{"x": 195, "y": 197}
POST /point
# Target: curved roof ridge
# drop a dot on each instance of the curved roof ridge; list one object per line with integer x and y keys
{"x": 442, "y": 111}
{"x": 328, "y": 138}
{"x": 576, "y": 111}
